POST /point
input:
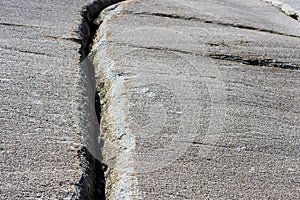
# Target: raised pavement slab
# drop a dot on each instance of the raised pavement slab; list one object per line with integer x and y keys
{"x": 199, "y": 100}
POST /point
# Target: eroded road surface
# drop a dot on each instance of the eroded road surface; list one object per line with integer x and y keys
{"x": 200, "y": 100}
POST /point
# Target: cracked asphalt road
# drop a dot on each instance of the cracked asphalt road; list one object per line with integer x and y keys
{"x": 195, "y": 105}
{"x": 201, "y": 100}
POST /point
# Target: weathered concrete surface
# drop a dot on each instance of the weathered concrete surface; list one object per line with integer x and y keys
{"x": 200, "y": 100}
{"x": 39, "y": 61}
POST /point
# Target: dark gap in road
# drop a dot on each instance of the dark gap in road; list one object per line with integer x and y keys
{"x": 235, "y": 25}
{"x": 294, "y": 16}
{"x": 158, "y": 48}
{"x": 92, "y": 182}
{"x": 97, "y": 106}
{"x": 246, "y": 148}
{"x": 72, "y": 39}
{"x": 25, "y": 51}
{"x": 213, "y": 145}
{"x": 256, "y": 61}
{"x": 19, "y": 25}
{"x": 89, "y": 25}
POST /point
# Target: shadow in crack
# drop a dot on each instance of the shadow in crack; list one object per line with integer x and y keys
{"x": 92, "y": 182}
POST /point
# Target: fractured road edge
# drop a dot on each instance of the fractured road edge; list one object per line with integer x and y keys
{"x": 102, "y": 78}
{"x": 119, "y": 143}
{"x": 92, "y": 182}
{"x": 285, "y": 8}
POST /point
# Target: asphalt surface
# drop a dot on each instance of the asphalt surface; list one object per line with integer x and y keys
{"x": 200, "y": 100}
{"x": 38, "y": 116}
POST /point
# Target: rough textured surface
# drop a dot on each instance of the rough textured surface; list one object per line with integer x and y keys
{"x": 39, "y": 61}
{"x": 200, "y": 100}
{"x": 290, "y": 7}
